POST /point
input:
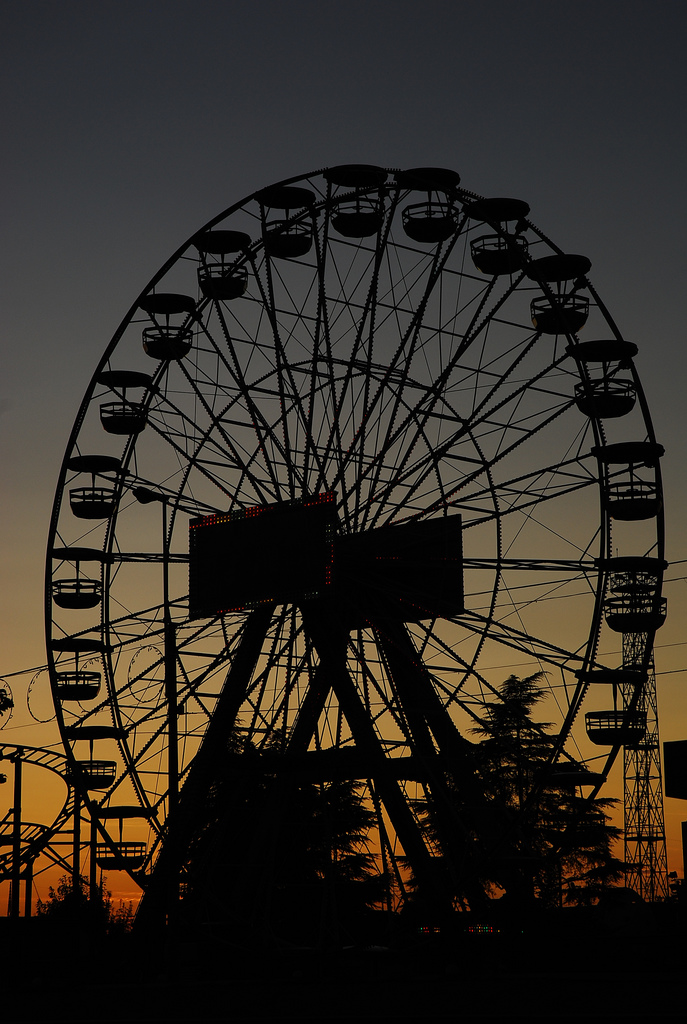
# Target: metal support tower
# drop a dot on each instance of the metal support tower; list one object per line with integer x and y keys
{"x": 645, "y": 836}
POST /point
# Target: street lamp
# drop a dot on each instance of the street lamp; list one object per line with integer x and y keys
{"x": 145, "y": 496}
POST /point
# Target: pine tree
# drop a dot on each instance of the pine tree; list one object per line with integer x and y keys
{"x": 564, "y": 840}
{"x": 278, "y": 856}
{"x": 553, "y": 845}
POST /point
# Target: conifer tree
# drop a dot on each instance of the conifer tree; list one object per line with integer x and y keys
{"x": 566, "y": 838}
{"x": 554, "y": 845}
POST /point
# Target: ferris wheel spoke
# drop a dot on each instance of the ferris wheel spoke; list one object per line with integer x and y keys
{"x": 431, "y": 645}
{"x": 567, "y": 565}
{"x": 489, "y": 464}
{"x": 429, "y": 269}
{"x": 490, "y": 425}
{"x": 172, "y": 440}
{"x": 359, "y": 363}
{"x": 321, "y": 353}
{"x": 425, "y": 464}
{"x": 396, "y": 371}
{"x": 382, "y": 504}
{"x": 266, "y": 713}
{"x": 392, "y": 432}
{"x": 283, "y": 373}
{"x": 544, "y": 589}
{"x": 375, "y": 692}
{"x": 363, "y": 322}
{"x": 332, "y": 451}
{"x": 525, "y": 643}
{"x": 511, "y": 501}
{"x": 525, "y": 388}
{"x": 477, "y": 326}
{"x": 142, "y": 755}
{"x": 424, "y": 408}
{"x": 244, "y": 462}
{"x": 572, "y": 468}
{"x": 258, "y": 423}
{"x": 129, "y": 632}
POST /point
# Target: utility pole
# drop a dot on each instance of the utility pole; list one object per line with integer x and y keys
{"x": 16, "y": 833}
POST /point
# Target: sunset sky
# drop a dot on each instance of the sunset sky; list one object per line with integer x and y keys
{"x": 129, "y": 124}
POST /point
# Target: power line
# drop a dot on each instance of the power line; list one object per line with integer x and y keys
{"x": 22, "y": 671}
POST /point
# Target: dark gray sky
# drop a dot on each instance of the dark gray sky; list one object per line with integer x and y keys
{"x": 128, "y": 124}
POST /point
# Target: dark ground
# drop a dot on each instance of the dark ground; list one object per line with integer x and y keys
{"x": 625, "y": 963}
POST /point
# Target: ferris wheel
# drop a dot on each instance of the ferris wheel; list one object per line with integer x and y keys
{"x": 344, "y": 467}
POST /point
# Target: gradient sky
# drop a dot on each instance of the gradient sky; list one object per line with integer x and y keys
{"x": 127, "y": 125}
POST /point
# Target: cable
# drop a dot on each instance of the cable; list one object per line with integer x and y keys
{"x": 22, "y": 671}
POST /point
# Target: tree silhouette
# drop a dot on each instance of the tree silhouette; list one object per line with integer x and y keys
{"x": 279, "y": 857}
{"x": 71, "y": 902}
{"x": 566, "y": 838}
{"x": 554, "y": 845}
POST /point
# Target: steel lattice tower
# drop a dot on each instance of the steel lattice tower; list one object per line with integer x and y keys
{"x": 645, "y": 837}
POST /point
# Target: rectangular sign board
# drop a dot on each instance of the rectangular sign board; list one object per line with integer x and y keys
{"x": 291, "y": 553}
{"x": 278, "y": 553}
{"x": 675, "y": 769}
